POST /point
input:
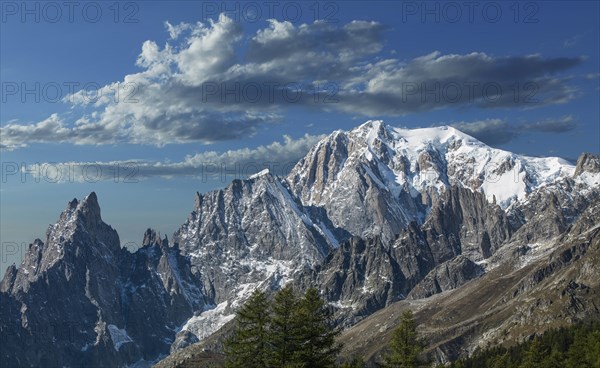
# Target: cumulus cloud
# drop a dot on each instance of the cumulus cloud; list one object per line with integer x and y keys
{"x": 279, "y": 157}
{"x": 498, "y": 131}
{"x": 211, "y": 82}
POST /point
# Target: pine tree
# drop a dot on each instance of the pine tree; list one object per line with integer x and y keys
{"x": 249, "y": 346}
{"x": 285, "y": 328}
{"x": 593, "y": 349}
{"x": 577, "y": 351}
{"x": 534, "y": 355}
{"x": 317, "y": 347}
{"x": 355, "y": 363}
{"x": 499, "y": 361}
{"x": 405, "y": 346}
{"x": 568, "y": 347}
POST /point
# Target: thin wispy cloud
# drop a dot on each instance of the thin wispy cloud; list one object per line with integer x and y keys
{"x": 277, "y": 156}
{"x": 572, "y": 41}
{"x": 498, "y": 131}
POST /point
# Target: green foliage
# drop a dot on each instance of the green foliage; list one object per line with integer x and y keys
{"x": 317, "y": 346}
{"x": 249, "y": 347}
{"x": 355, "y": 363}
{"x": 288, "y": 332}
{"x": 405, "y": 346}
{"x": 573, "y": 347}
{"x": 285, "y": 328}
{"x": 533, "y": 357}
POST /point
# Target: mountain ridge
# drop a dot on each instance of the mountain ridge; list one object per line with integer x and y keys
{"x": 371, "y": 216}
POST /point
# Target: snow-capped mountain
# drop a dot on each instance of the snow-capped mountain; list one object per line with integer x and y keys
{"x": 371, "y": 182}
{"x": 252, "y": 234}
{"x": 421, "y": 212}
{"x": 376, "y": 179}
{"x": 370, "y": 216}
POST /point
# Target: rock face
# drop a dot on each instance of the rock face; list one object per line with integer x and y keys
{"x": 447, "y": 276}
{"x": 363, "y": 276}
{"x": 252, "y": 234}
{"x": 587, "y": 162}
{"x": 342, "y": 176}
{"x": 80, "y": 299}
{"x": 371, "y": 217}
{"x": 184, "y": 339}
{"x": 526, "y": 290}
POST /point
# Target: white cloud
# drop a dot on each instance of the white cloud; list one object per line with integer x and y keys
{"x": 16, "y": 135}
{"x": 277, "y": 156}
{"x": 209, "y": 51}
{"x": 176, "y": 30}
{"x": 210, "y": 83}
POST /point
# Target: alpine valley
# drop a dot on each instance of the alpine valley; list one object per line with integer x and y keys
{"x": 484, "y": 245}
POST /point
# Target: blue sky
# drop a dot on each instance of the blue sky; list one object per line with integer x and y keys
{"x": 173, "y": 122}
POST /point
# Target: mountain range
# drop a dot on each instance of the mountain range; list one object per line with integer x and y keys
{"x": 483, "y": 244}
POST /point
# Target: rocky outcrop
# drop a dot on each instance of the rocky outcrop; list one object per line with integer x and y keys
{"x": 249, "y": 234}
{"x": 587, "y": 162}
{"x": 550, "y": 211}
{"x": 462, "y": 221}
{"x": 183, "y": 340}
{"x": 79, "y": 298}
{"x": 365, "y": 275}
{"x": 447, "y": 276}
{"x": 552, "y": 287}
{"x": 361, "y": 276}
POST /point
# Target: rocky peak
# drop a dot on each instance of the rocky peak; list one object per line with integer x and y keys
{"x": 197, "y": 200}
{"x": 87, "y": 210}
{"x": 150, "y": 237}
{"x": 587, "y": 162}
{"x": 375, "y": 135}
{"x": 121, "y": 307}
{"x": 90, "y": 209}
{"x": 89, "y": 204}
{"x": 73, "y": 204}
{"x": 373, "y": 128}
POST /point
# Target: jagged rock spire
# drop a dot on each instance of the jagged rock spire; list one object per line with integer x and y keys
{"x": 197, "y": 200}
{"x": 150, "y": 237}
{"x": 587, "y": 162}
{"x": 91, "y": 209}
